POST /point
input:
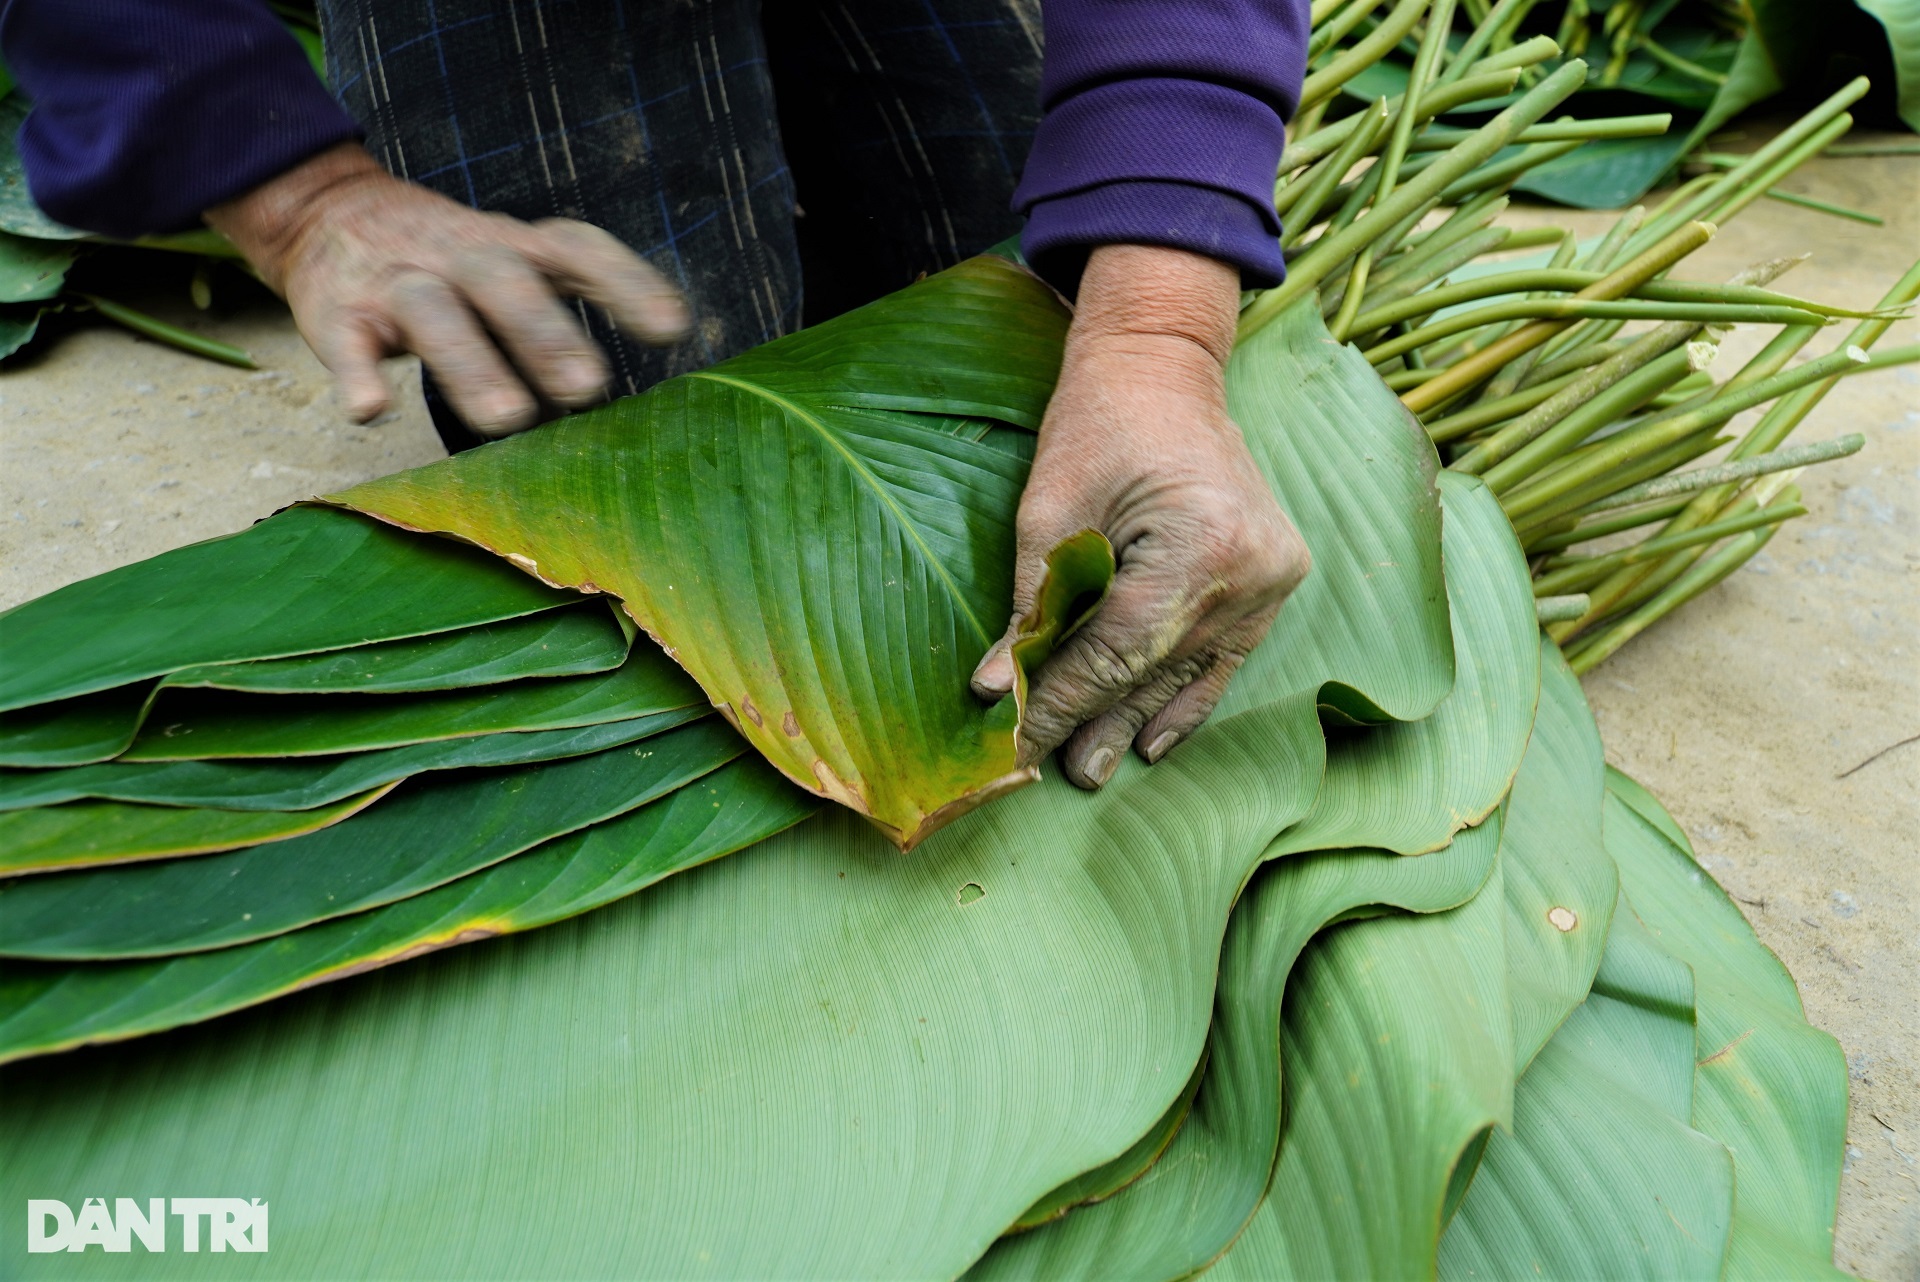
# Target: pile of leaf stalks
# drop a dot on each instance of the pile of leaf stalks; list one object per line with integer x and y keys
{"x": 1527, "y": 374}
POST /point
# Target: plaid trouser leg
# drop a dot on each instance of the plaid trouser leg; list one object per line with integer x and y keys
{"x": 907, "y": 123}
{"x": 657, "y": 120}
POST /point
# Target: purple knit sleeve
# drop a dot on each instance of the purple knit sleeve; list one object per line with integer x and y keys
{"x": 147, "y": 112}
{"x": 1164, "y": 123}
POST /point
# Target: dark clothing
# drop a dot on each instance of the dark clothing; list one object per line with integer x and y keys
{"x": 1163, "y": 117}
{"x": 847, "y": 145}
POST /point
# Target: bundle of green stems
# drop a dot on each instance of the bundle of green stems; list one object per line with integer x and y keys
{"x": 1583, "y": 391}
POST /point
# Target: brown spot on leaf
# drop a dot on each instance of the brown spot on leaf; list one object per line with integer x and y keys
{"x": 749, "y": 711}
{"x": 790, "y": 724}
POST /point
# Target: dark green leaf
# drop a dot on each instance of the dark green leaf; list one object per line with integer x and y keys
{"x": 46, "y": 1006}
{"x": 92, "y": 727}
{"x": 31, "y": 270}
{"x": 305, "y": 580}
{"x": 18, "y": 214}
{"x": 18, "y": 325}
{"x": 1607, "y": 174}
{"x": 818, "y": 560}
{"x": 558, "y": 643}
{"x": 84, "y": 833}
{"x": 201, "y": 724}
{"x": 428, "y": 833}
{"x": 314, "y": 781}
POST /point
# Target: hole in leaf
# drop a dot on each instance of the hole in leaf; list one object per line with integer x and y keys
{"x": 969, "y": 893}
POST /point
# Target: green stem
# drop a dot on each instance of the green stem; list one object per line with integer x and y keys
{"x": 172, "y": 335}
{"x": 1483, "y": 364}
{"x": 1669, "y": 428}
{"x": 1686, "y": 67}
{"x": 1716, "y": 192}
{"x": 1553, "y": 609}
{"x": 1568, "y": 309}
{"x": 1583, "y": 572}
{"x": 1710, "y": 570}
{"x": 1310, "y": 269}
{"x": 1600, "y": 529}
{"x": 1327, "y": 81}
{"x": 1440, "y": 138}
{"x": 1602, "y": 395}
{"x": 1687, "y": 483}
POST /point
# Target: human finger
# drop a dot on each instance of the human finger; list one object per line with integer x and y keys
{"x": 435, "y": 323}
{"x": 351, "y": 349}
{"x": 589, "y": 263}
{"x": 1193, "y": 703}
{"x": 1115, "y": 653}
{"x": 523, "y": 314}
{"x": 1093, "y": 752}
{"x": 1041, "y": 527}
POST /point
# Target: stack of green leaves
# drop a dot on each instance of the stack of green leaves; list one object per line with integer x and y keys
{"x": 1425, "y": 992}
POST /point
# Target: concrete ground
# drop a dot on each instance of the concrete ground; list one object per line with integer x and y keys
{"x": 1776, "y": 716}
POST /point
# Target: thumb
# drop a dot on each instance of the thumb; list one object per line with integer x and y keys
{"x": 1058, "y": 584}
{"x": 1036, "y": 533}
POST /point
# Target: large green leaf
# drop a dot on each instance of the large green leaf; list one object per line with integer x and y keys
{"x": 1387, "y": 1085}
{"x": 1768, "y": 1085}
{"x": 1302, "y": 398}
{"x": 31, "y": 270}
{"x": 86, "y": 833}
{"x": 427, "y": 834}
{"x": 1901, "y": 18}
{"x": 192, "y": 725}
{"x": 558, "y": 643}
{"x": 72, "y": 732}
{"x": 46, "y": 1007}
{"x": 829, "y": 566}
{"x": 1398, "y": 1054}
{"x": 307, "y": 579}
{"x": 794, "y": 1116}
{"x": 1601, "y": 1176}
{"x": 305, "y": 782}
{"x": 1403, "y": 786}
{"x": 1190, "y": 1206}
{"x": 1409, "y": 786}
{"x": 1561, "y": 887}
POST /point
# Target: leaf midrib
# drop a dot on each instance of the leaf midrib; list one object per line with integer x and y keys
{"x": 873, "y": 483}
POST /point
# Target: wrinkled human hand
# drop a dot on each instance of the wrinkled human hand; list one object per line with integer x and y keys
{"x": 1137, "y": 444}
{"x": 374, "y": 266}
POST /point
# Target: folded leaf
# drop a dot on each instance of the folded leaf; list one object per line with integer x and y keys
{"x": 1601, "y": 1176}
{"x": 85, "y": 833}
{"x": 1767, "y": 1084}
{"x": 47, "y": 1006}
{"x": 304, "y": 580}
{"x": 201, "y": 724}
{"x": 828, "y": 566}
{"x": 558, "y": 643}
{"x": 304, "y": 782}
{"x": 428, "y": 833}
{"x": 1409, "y": 786}
{"x": 1189, "y": 1207}
{"x": 72, "y": 732}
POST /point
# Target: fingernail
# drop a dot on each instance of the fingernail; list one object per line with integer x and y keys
{"x": 583, "y": 378}
{"x": 1100, "y": 765}
{"x": 995, "y": 673}
{"x": 1162, "y": 746}
{"x": 669, "y": 317}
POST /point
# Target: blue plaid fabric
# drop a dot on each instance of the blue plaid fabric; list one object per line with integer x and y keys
{"x": 830, "y": 150}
